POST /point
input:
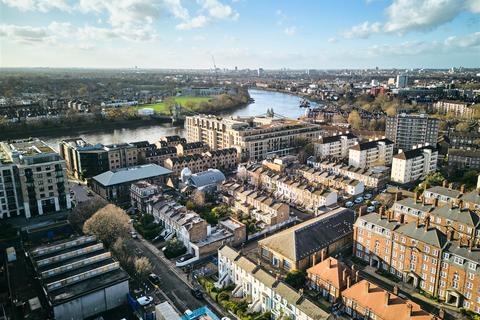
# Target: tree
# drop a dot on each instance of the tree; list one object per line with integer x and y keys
{"x": 221, "y": 211}
{"x": 354, "y": 120}
{"x": 199, "y": 198}
{"x": 107, "y": 224}
{"x": 174, "y": 248}
{"x": 462, "y": 127}
{"x": 143, "y": 267}
{"x": 84, "y": 210}
{"x": 122, "y": 253}
{"x": 296, "y": 279}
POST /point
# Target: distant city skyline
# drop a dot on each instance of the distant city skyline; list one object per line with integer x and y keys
{"x": 240, "y": 33}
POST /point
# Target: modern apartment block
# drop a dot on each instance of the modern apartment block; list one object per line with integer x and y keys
{"x": 267, "y": 293}
{"x": 409, "y": 130}
{"x": 461, "y": 158}
{"x": 456, "y": 108}
{"x": 422, "y": 254}
{"x": 415, "y": 164}
{"x": 335, "y": 146}
{"x": 33, "y": 179}
{"x": 256, "y": 138}
{"x": 370, "y": 154}
{"x": 82, "y": 159}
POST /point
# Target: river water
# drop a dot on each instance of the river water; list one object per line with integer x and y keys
{"x": 283, "y": 104}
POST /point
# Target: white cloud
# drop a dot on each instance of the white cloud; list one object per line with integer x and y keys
{"x": 290, "y": 31}
{"x": 467, "y": 41}
{"x": 38, "y": 5}
{"x": 194, "y": 23}
{"x": 405, "y": 16}
{"x": 218, "y": 10}
{"x": 24, "y": 34}
{"x": 332, "y": 40}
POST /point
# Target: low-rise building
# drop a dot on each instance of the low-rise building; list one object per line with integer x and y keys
{"x": 335, "y": 146}
{"x": 79, "y": 277}
{"x": 372, "y": 153}
{"x": 159, "y": 155}
{"x": 365, "y": 300}
{"x": 415, "y": 164}
{"x": 267, "y": 293}
{"x": 456, "y": 108}
{"x": 141, "y": 193}
{"x": 121, "y": 155}
{"x": 304, "y": 245}
{"x": 374, "y": 178}
{"x": 330, "y": 277}
{"x": 461, "y": 158}
{"x": 332, "y": 180}
{"x": 190, "y": 148}
{"x": 209, "y": 180}
{"x": 444, "y": 195}
{"x": 170, "y": 141}
{"x": 297, "y": 190}
{"x": 255, "y": 203}
{"x": 114, "y": 186}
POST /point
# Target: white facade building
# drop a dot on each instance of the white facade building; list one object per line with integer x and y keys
{"x": 335, "y": 146}
{"x": 414, "y": 164}
{"x": 372, "y": 153}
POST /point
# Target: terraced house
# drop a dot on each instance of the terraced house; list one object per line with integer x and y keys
{"x": 257, "y": 204}
{"x": 265, "y": 292}
{"x": 295, "y": 190}
{"x": 422, "y": 255}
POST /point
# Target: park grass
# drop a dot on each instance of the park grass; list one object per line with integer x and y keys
{"x": 161, "y": 108}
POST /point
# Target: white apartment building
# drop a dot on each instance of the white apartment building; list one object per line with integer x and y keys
{"x": 372, "y": 153}
{"x": 457, "y": 108}
{"x": 335, "y": 146}
{"x": 256, "y": 138}
{"x": 414, "y": 164}
{"x": 266, "y": 292}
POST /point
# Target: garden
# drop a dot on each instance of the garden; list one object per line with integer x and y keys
{"x": 237, "y": 306}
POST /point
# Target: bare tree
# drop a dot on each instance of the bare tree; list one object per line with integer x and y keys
{"x": 108, "y": 224}
{"x": 198, "y": 198}
{"x": 143, "y": 267}
{"x": 84, "y": 210}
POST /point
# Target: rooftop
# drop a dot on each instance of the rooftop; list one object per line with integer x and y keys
{"x": 131, "y": 174}
{"x": 371, "y": 144}
{"x": 414, "y": 153}
{"x": 306, "y": 238}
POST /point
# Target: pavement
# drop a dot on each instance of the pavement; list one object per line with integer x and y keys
{"x": 174, "y": 284}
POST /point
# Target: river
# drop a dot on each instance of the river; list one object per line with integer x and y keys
{"x": 283, "y": 104}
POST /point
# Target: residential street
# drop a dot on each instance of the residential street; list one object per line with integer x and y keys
{"x": 171, "y": 285}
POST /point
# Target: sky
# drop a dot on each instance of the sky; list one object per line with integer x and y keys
{"x": 316, "y": 34}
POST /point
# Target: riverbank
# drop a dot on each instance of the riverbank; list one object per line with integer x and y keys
{"x": 295, "y": 94}
{"x": 80, "y": 128}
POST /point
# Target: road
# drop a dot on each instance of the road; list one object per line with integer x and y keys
{"x": 170, "y": 284}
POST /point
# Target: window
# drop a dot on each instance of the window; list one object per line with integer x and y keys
{"x": 458, "y": 260}
{"x": 472, "y": 266}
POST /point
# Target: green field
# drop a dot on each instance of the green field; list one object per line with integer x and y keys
{"x": 162, "y": 108}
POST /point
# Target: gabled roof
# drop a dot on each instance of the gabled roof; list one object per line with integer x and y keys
{"x": 375, "y": 300}
{"x": 452, "y": 193}
{"x": 330, "y": 270}
{"x": 304, "y": 239}
{"x": 411, "y": 203}
{"x": 456, "y": 214}
{"x": 131, "y": 174}
{"x": 472, "y": 197}
{"x": 414, "y": 153}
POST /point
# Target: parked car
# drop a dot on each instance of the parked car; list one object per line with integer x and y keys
{"x": 371, "y": 209}
{"x": 368, "y": 196}
{"x": 145, "y": 300}
{"x": 134, "y": 235}
{"x": 154, "y": 278}
{"x": 197, "y": 293}
{"x": 375, "y": 203}
{"x": 359, "y": 200}
{"x": 349, "y": 204}
{"x": 89, "y": 193}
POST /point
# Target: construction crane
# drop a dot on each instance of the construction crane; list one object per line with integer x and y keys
{"x": 214, "y": 68}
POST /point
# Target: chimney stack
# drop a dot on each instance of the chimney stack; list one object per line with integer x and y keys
{"x": 356, "y": 276}
{"x": 410, "y": 309}
{"x": 462, "y": 188}
{"x": 402, "y": 218}
{"x": 348, "y": 282}
{"x": 381, "y": 211}
{"x": 441, "y": 314}
{"x": 329, "y": 263}
{"x": 435, "y": 202}
{"x": 470, "y": 243}
{"x": 367, "y": 286}
{"x": 445, "y": 183}
{"x": 387, "y": 297}
{"x": 344, "y": 275}
{"x": 415, "y": 196}
{"x": 427, "y": 223}
{"x": 322, "y": 255}
{"x": 418, "y": 222}
{"x": 395, "y": 290}
{"x": 450, "y": 185}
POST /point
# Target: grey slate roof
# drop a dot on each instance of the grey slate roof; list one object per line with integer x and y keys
{"x": 205, "y": 178}
{"x": 411, "y": 203}
{"x": 432, "y": 236}
{"x": 131, "y": 174}
{"x": 445, "y": 191}
{"x": 304, "y": 239}
{"x": 411, "y": 154}
{"x": 371, "y": 144}
{"x": 455, "y": 214}
{"x": 473, "y": 197}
